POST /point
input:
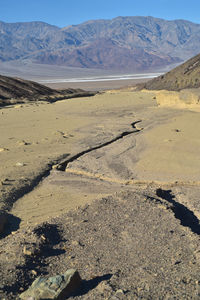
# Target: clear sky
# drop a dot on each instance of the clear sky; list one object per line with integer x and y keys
{"x": 68, "y": 12}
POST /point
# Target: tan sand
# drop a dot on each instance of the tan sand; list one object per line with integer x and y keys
{"x": 163, "y": 148}
{"x": 36, "y": 135}
{"x": 172, "y": 150}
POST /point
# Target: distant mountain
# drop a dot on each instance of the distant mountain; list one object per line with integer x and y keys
{"x": 125, "y": 43}
{"x": 17, "y": 40}
{"x": 106, "y": 54}
{"x": 184, "y": 76}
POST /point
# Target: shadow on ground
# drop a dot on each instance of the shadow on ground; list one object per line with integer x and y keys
{"x": 88, "y": 285}
{"x": 12, "y": 224}
{"x": 181, "y": 212}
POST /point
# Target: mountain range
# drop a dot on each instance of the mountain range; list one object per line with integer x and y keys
{"x": 123, "y": 43}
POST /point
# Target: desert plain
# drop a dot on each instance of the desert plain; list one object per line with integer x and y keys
{"x": 115, "y": 177}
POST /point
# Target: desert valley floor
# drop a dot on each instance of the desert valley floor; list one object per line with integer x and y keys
{"x": 116, "y": 178}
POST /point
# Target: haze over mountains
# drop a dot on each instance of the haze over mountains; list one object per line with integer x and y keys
{"x": 123, "y": 43}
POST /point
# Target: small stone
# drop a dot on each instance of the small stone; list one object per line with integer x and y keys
{"x": 3, "y": 149}
{"x": 13, "y": 232}
{"x": 43, "y": 237}
{"x": 75, "y": 243}
{"x": 19, "y": 164}
{"x": 34, "y": 272}
{"x": 119, "y": 294}
{"x": 18, "y": 106}
{"x": 57, "y": 287}
{"x": 23, "y": 143}
{"x": 27, "y": 252}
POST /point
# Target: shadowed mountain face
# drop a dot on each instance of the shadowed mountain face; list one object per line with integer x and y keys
{"x": 135, "y": 43}
{"x": 184, "y": 76}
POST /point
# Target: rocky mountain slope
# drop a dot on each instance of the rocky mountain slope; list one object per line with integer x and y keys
{"x": 184, "y": 76}
{"x": 16, "y": 90}
{"x": 134, "y": 43}
{"x": 106, "y": 54}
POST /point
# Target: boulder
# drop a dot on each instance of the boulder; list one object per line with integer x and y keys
{"x": 58, "y": 287}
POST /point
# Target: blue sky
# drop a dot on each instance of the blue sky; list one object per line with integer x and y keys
{"x": 67, "y": 12}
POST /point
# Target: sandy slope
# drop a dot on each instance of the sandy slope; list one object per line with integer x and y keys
{"x": 120, "y": 146}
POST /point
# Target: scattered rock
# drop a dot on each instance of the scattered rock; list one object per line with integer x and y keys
{"x": 58, "y": 287}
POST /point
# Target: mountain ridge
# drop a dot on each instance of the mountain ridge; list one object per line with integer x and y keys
{"x": 164, "y": 42}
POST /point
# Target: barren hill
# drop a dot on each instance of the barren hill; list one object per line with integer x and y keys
{"x": 16, "y": 90}
{"x": 184, "y": 76}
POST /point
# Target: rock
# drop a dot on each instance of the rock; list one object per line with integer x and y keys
{"x": 34, "y": 272}
{"x": 119, "y": 294}
{"x": 19, "y": 164}
{"x": 22, "y": 143}
{"x": 3, "y": 149}
{"x": 58, "y": 287}
{"x": 28, "y": 252}
{"x": 3, "y": 221}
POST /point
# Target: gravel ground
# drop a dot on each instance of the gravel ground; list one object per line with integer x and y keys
{"x": 130, "y": 245}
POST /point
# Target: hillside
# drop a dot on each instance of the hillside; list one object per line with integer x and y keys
{"x": 16, "y": 90}
{"x": 125, "y": 43}
{"x": 184, "y": 76}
